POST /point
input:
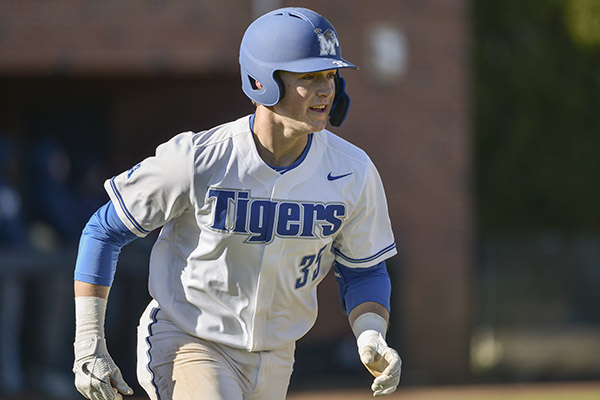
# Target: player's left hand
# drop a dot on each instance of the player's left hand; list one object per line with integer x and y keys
{"x": 382, "y": 361}
{"x": 96, "y": 375}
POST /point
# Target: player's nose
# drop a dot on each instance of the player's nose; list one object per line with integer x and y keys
{"x": 326, "y": 87}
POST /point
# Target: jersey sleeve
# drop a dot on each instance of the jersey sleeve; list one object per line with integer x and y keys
{"x": 155, "y": 190}
{"x": 366, "y": 238}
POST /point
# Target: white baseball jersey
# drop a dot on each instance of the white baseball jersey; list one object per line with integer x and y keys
{"x": 243, "y": 247}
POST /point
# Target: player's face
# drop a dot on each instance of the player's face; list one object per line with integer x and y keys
{"x": 307, "y": 99}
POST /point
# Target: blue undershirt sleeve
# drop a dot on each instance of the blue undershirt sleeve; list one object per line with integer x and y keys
{"x": 99, "y": 246}
{"x": 359, "y": 285}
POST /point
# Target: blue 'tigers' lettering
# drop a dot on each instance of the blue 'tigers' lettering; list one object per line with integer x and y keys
{"x": 260, "y": 219}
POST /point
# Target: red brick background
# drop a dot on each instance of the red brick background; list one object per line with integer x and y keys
{"x": 166, "y": 66}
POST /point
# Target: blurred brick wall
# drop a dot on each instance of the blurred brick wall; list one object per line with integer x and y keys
{"x": 416, "y": 127}
{"x": 111, "y": 36}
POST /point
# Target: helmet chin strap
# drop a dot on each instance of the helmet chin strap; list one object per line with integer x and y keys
{"x": 341, "y": 102}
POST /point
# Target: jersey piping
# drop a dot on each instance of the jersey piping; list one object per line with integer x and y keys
{"x": 123, "y": 207}
{"x": 366, "y": 259}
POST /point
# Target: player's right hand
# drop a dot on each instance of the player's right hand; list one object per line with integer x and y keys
{"x": 382, "y": 361}
{"x": 96, "y": 375}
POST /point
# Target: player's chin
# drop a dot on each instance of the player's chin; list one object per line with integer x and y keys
{"x": 321, "y": 126}
{"x": 318, "y": 122}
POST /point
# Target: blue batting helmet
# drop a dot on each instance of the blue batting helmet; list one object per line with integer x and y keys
{"x": 295, "y": 40}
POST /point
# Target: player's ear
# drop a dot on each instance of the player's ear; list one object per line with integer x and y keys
{"x": 256, "y": 85}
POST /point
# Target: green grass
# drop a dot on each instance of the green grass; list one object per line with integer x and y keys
{"x": 475, "y": 392}
{"x": 534, "y": 391}
{"x": 545, "y": 396}
{"x": 528, "y": 396}
{"x": 509, "y": 392}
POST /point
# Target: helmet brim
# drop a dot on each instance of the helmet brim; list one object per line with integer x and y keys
{"x": 315, "y": 64}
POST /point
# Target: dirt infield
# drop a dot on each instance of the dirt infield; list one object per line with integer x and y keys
{"x": 553, "y": 391}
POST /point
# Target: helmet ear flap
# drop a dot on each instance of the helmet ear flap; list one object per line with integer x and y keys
{"x": 341, "y": 102}
{"x": 266, "y": 87}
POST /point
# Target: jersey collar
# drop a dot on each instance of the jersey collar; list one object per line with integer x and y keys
{"x": 283, "y": 170}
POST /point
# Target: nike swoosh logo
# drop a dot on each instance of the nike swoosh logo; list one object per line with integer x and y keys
{"x": 336, "y": 177}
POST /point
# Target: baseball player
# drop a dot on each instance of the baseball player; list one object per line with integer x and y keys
{"x": 253, "y": 214}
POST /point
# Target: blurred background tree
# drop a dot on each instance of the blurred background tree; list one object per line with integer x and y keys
{"x": 536, "y": 96}
{"x": 537, "y": 114}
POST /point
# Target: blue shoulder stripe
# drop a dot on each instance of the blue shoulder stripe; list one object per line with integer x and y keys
{"x": 125, "y": 210}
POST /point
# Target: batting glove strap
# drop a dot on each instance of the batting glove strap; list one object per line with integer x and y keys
{"x": 94, "y": 370}
{"x": 381, "y": 360}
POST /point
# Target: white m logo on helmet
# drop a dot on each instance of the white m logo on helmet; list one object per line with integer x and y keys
{"x": 328, "y": 42}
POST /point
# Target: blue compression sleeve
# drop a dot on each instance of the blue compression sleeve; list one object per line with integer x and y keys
{"x": 101, "y": 242}
{"x": 359, "y": 285}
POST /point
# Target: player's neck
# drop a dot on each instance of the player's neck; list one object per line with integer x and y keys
{"x": 277, "y": 144}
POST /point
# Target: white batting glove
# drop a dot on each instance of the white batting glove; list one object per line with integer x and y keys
{"x": 96, "y": 375}
{"x": 382, "y": 361}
